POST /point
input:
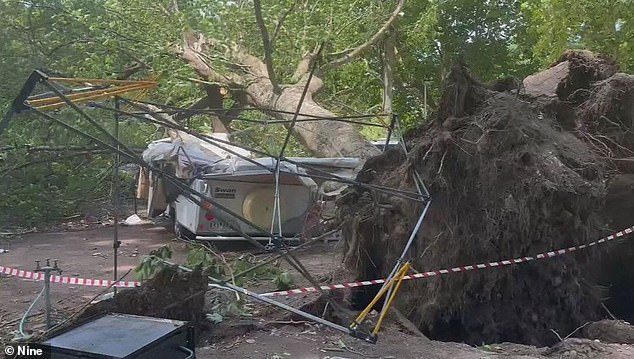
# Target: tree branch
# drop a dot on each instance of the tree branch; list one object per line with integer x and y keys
{"x": 268, "y": 49}
{"x": 303, "y": 66}
{"x": 193, "y": 51}
{"x": 222, "y": 119}
{"x": 361, "y": 49}
{"x": 278, "y": 27}
{"x": 388, "y": 74}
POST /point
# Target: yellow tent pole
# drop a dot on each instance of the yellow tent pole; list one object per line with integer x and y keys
{"x": 81, "y": 95}
{"x": 109, "y": 93}
{"x": 402, "y": 274}
{"x": 377, "y": 297}
{"x": 97, "y": 81}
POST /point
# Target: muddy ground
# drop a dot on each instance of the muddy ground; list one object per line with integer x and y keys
{"x": 88, "y": 253}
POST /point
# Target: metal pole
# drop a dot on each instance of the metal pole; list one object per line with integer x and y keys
{"x": 277, "y": 213}
{"x": 214, "y": 110}
{"x": 276, "y": 206}
{"x": 228, "y": 286}
{"x": 115, "y": 193}
{"x": 47, "y": 269}
{"x": 419, "y": 183}
{"x": 18, "y": 105}
{"x": 400, "y": 260}
{"x": 47, "y": 298}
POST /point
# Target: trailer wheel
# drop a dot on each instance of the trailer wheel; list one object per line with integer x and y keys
{"x": 171, "y": 225}
{"x": 183, "y": 233}
{"x": 176, "y": 228}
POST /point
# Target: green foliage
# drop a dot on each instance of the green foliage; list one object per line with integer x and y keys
{"x": 199, "y": 257}
{"x": 268, "y": 272}
{"x": 229, "y": 307}
{"x": 605, "y": 26}
{"x": 283, "y": 281}
{"x": 152, "y": 263}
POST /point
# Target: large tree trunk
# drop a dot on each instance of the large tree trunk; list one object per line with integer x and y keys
{"x": 323, "y": 138}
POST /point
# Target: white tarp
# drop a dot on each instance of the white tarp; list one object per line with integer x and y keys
{"x": 193, "y": 156}
{"x": 190, "y": 154}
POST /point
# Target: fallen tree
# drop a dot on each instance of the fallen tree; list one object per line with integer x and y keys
{"x": 511, "y": 175}
{"x": 254, "y": 82}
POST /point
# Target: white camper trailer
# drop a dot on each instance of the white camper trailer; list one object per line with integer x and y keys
{"x": 243, "y": 187}
{"x": 247, "y": 190}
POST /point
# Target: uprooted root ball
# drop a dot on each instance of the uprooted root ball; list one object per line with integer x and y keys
{"x": 507, "y": 180}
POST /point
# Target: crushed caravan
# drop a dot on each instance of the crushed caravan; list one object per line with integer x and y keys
{"x": 237, "y": 181}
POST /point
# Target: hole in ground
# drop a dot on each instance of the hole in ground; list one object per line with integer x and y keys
{"x": 617, "y": 276}
{"x": 450, "y": 327}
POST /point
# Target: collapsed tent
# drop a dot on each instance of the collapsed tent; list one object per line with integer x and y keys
{"x": 546, "y": 165}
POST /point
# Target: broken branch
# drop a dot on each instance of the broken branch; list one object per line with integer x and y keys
{"x": 193, "y": 51}
{"x": 361, "y": 49}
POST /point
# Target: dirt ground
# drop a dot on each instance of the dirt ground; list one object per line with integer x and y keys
{"x": 306, "y": 342}
{"x": 88, "y": 253}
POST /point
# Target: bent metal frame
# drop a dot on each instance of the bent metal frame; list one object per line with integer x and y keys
{"x": 60, "y": 96}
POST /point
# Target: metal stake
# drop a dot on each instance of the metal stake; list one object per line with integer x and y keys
{"x": 389, "y": 131}
{"x": 47, "y": 269}
{"x": 425, "y": 99}
{"x": 115, "y": 194}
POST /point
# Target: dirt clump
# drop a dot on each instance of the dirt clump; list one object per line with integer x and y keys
{"x": 507, "y": 180}
{"x": 609, "y": 331}
{"x": 170, "y": 294}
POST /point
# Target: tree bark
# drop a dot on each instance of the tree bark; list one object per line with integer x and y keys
{"x": 388, "y": 74}
{"x": 326, "y": 138}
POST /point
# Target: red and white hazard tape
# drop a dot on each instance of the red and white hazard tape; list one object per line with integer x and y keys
{"x": 38, "y": 276}
{"x": 129, "y": 284}
{"x": 455, "y": 269}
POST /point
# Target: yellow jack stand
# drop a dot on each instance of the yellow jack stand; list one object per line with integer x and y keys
{"x": 355, "y": 329}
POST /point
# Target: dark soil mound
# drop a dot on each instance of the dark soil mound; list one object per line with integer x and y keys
{"x": 507, "y": 180}
{"x": 170, "y": 294}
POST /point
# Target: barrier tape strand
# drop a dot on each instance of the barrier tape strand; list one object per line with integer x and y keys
{"x": 129, "y": 284}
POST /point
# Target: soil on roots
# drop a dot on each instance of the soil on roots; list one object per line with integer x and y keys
{"x": 507, "y": 180}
